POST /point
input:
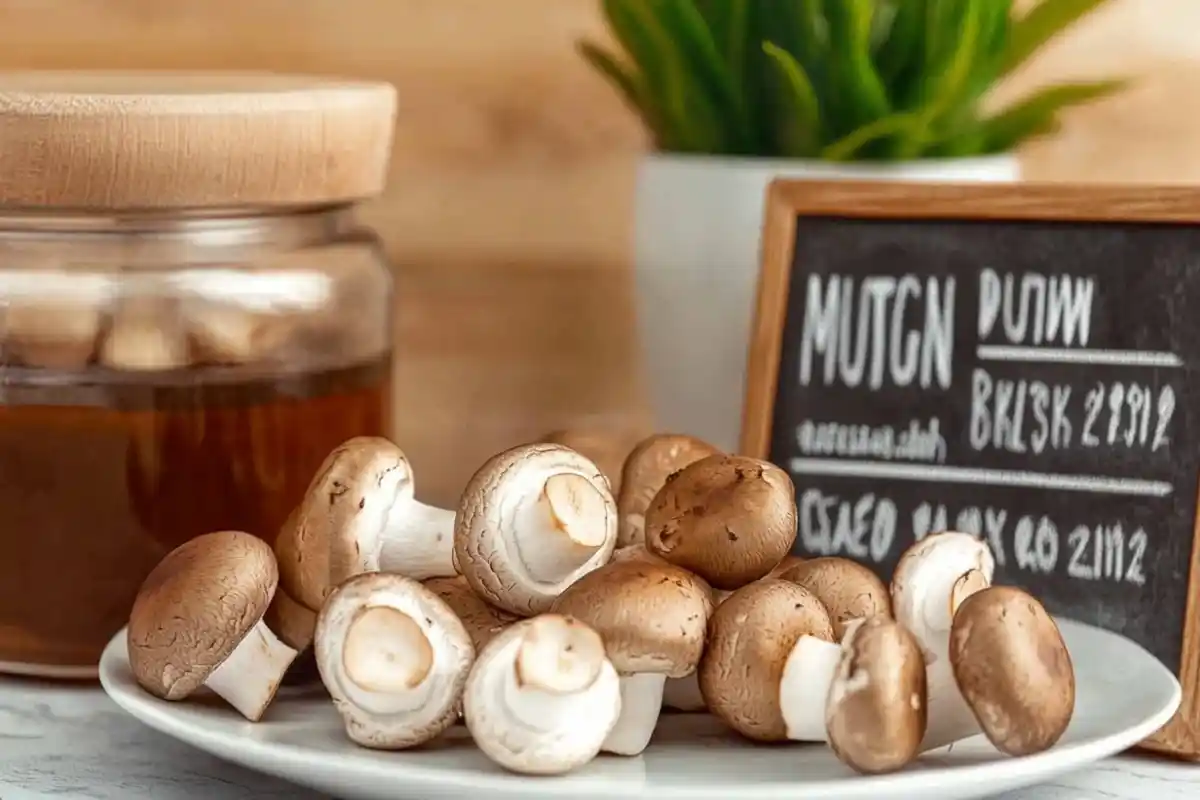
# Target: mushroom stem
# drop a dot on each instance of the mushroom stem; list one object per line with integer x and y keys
{"x": 250, "y": 676}
{"x": 641, "y": 702}
{"x": 683, "y": 694}
{"x": 804, "y": 688}
{"x": 950, "y": 718}
{"x": 564, "y": 528}
{"x": 419, "y": 542}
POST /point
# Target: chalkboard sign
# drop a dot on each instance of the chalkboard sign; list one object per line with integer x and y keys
{"x": 1018, "y": 362}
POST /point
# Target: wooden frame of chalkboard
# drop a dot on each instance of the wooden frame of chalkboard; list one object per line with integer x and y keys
{"x": 808, "y": 222}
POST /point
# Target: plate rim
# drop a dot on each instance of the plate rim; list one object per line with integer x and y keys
{"x": 156, "y": 714}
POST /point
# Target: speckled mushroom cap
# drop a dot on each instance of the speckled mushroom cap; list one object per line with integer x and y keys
{"x": 728, "y": 519}
{"x": 877, "y": 707}
{"x": 848, "y": 589}
{"x": 195, "y": 607}
{"x": 652, "y": 616}
{"x": 482, "y": 620}
{"x": 1013, "y": 669}
{"x": 646, "y": 469}
{"x": 346, "y": 506}
{"x": 750, "y": 637}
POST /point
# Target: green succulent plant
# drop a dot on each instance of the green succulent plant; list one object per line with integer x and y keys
{"x": 837, "y": 80}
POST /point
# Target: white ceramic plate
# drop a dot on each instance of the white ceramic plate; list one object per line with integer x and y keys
{"x": 1123, "y": 695}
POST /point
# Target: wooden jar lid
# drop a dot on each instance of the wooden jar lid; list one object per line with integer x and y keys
{"x": 114, "y": 140}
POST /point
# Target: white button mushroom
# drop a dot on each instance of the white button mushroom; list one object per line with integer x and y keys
{"x": 542, "y": 696}
{"x": 652, "y": 618}
{"x": 1013, "y": 669}
{"x": 395, "y": 659}
{"x": 646, "y": 469}
{"x": 198, "y": 621}
{"x": 875, "y": 713}
{"x": 769, "y": 661}
{"x": 359, "y": 515}
{"x": 728, "y": 519}
{"x": 533, "y": 520}
{"x": 482, "y": 620}
{"x": 932, "y": 579}
{"x": 848, "y": 589}
{"x": 145, "y": 334}
{"x": 59, "y": 334}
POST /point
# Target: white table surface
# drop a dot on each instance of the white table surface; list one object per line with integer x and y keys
{"x": 72, "y": 743}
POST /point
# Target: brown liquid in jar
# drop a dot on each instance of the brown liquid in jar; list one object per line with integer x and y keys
{"x": 101, "y": 476}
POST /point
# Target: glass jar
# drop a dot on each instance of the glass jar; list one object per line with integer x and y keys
{"x": 190, "y": 320}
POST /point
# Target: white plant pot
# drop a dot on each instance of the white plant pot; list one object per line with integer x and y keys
{"x": 696, "y": 258}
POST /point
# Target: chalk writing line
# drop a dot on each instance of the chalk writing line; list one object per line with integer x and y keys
{"x": 1065, "y": 355}
{"x": 848, "y": 468}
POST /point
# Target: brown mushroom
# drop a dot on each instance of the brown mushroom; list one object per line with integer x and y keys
{"x": 360, "y": 515}
{"x": 875, "y": 714}
{"x": 652, "y": 617}
{"x": 848, "y": 589}
{"x": 1013, "y": 668}
{"x": 769, "y": 644}
{"x": 783, "y": 566}
{"x": 198, "y": 621}
{"x": 644, "y": 472}
{"x": 482, "y": 620}
{"x": 728, "y": 519}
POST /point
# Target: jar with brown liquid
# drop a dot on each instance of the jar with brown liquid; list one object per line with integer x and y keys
{"x": 191, "y": 319}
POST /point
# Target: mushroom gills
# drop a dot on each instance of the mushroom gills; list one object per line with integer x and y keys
{"x": 641, "y": 703}
{"x": 542, "y": 697}
{"x": 804, "y": 685}
{"x": 250, "y": 676}
{"x": 419, "y": 542}
{"x": 562, "y": 529}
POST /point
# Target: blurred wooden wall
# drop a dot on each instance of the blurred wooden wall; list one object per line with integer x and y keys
{"x": 509, "y": 209}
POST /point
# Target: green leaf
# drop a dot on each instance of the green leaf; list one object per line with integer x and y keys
{"x": 861, "y": 95}
{"x": 683, "y": 108}
{"x": 690, "y": 32}
{"x": 1043, "y": 22}
{"x": 852, "y": 144}
{"x": 1037, "y": 115}
{"x": 800, "y": 133}
{"x": 902, "y": 47}
{"x": 628, "y": 86}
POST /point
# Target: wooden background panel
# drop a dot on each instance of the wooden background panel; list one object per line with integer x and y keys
{"x": 509, "y": 208}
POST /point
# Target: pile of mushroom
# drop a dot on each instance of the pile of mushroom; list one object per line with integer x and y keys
{"x": 517, "y": 614}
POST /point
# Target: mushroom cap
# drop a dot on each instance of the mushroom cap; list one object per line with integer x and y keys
{"x": 606, "y": 448}
{"x": 848, "y": 589}
{"x": 1013, "y": 669}
{"x": 652, "y": 616}
{"x": 195, "y": 607}
{"x": 444, "y": 664}
{"x": 343, "y": 516}
{"x": 783, "y": 566}
{"x": 646, "y": 469}
{"x": 482, "y": 620}
{"x": 728, "y": 519}
{"x": 932, "y": 578}
{"x": 636, "y": 552}
{"x": 294, "y": 623}
{"x": 485, "y": 550}
{"x": 750, "y": 636}
{"x": 876, "y": 713}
